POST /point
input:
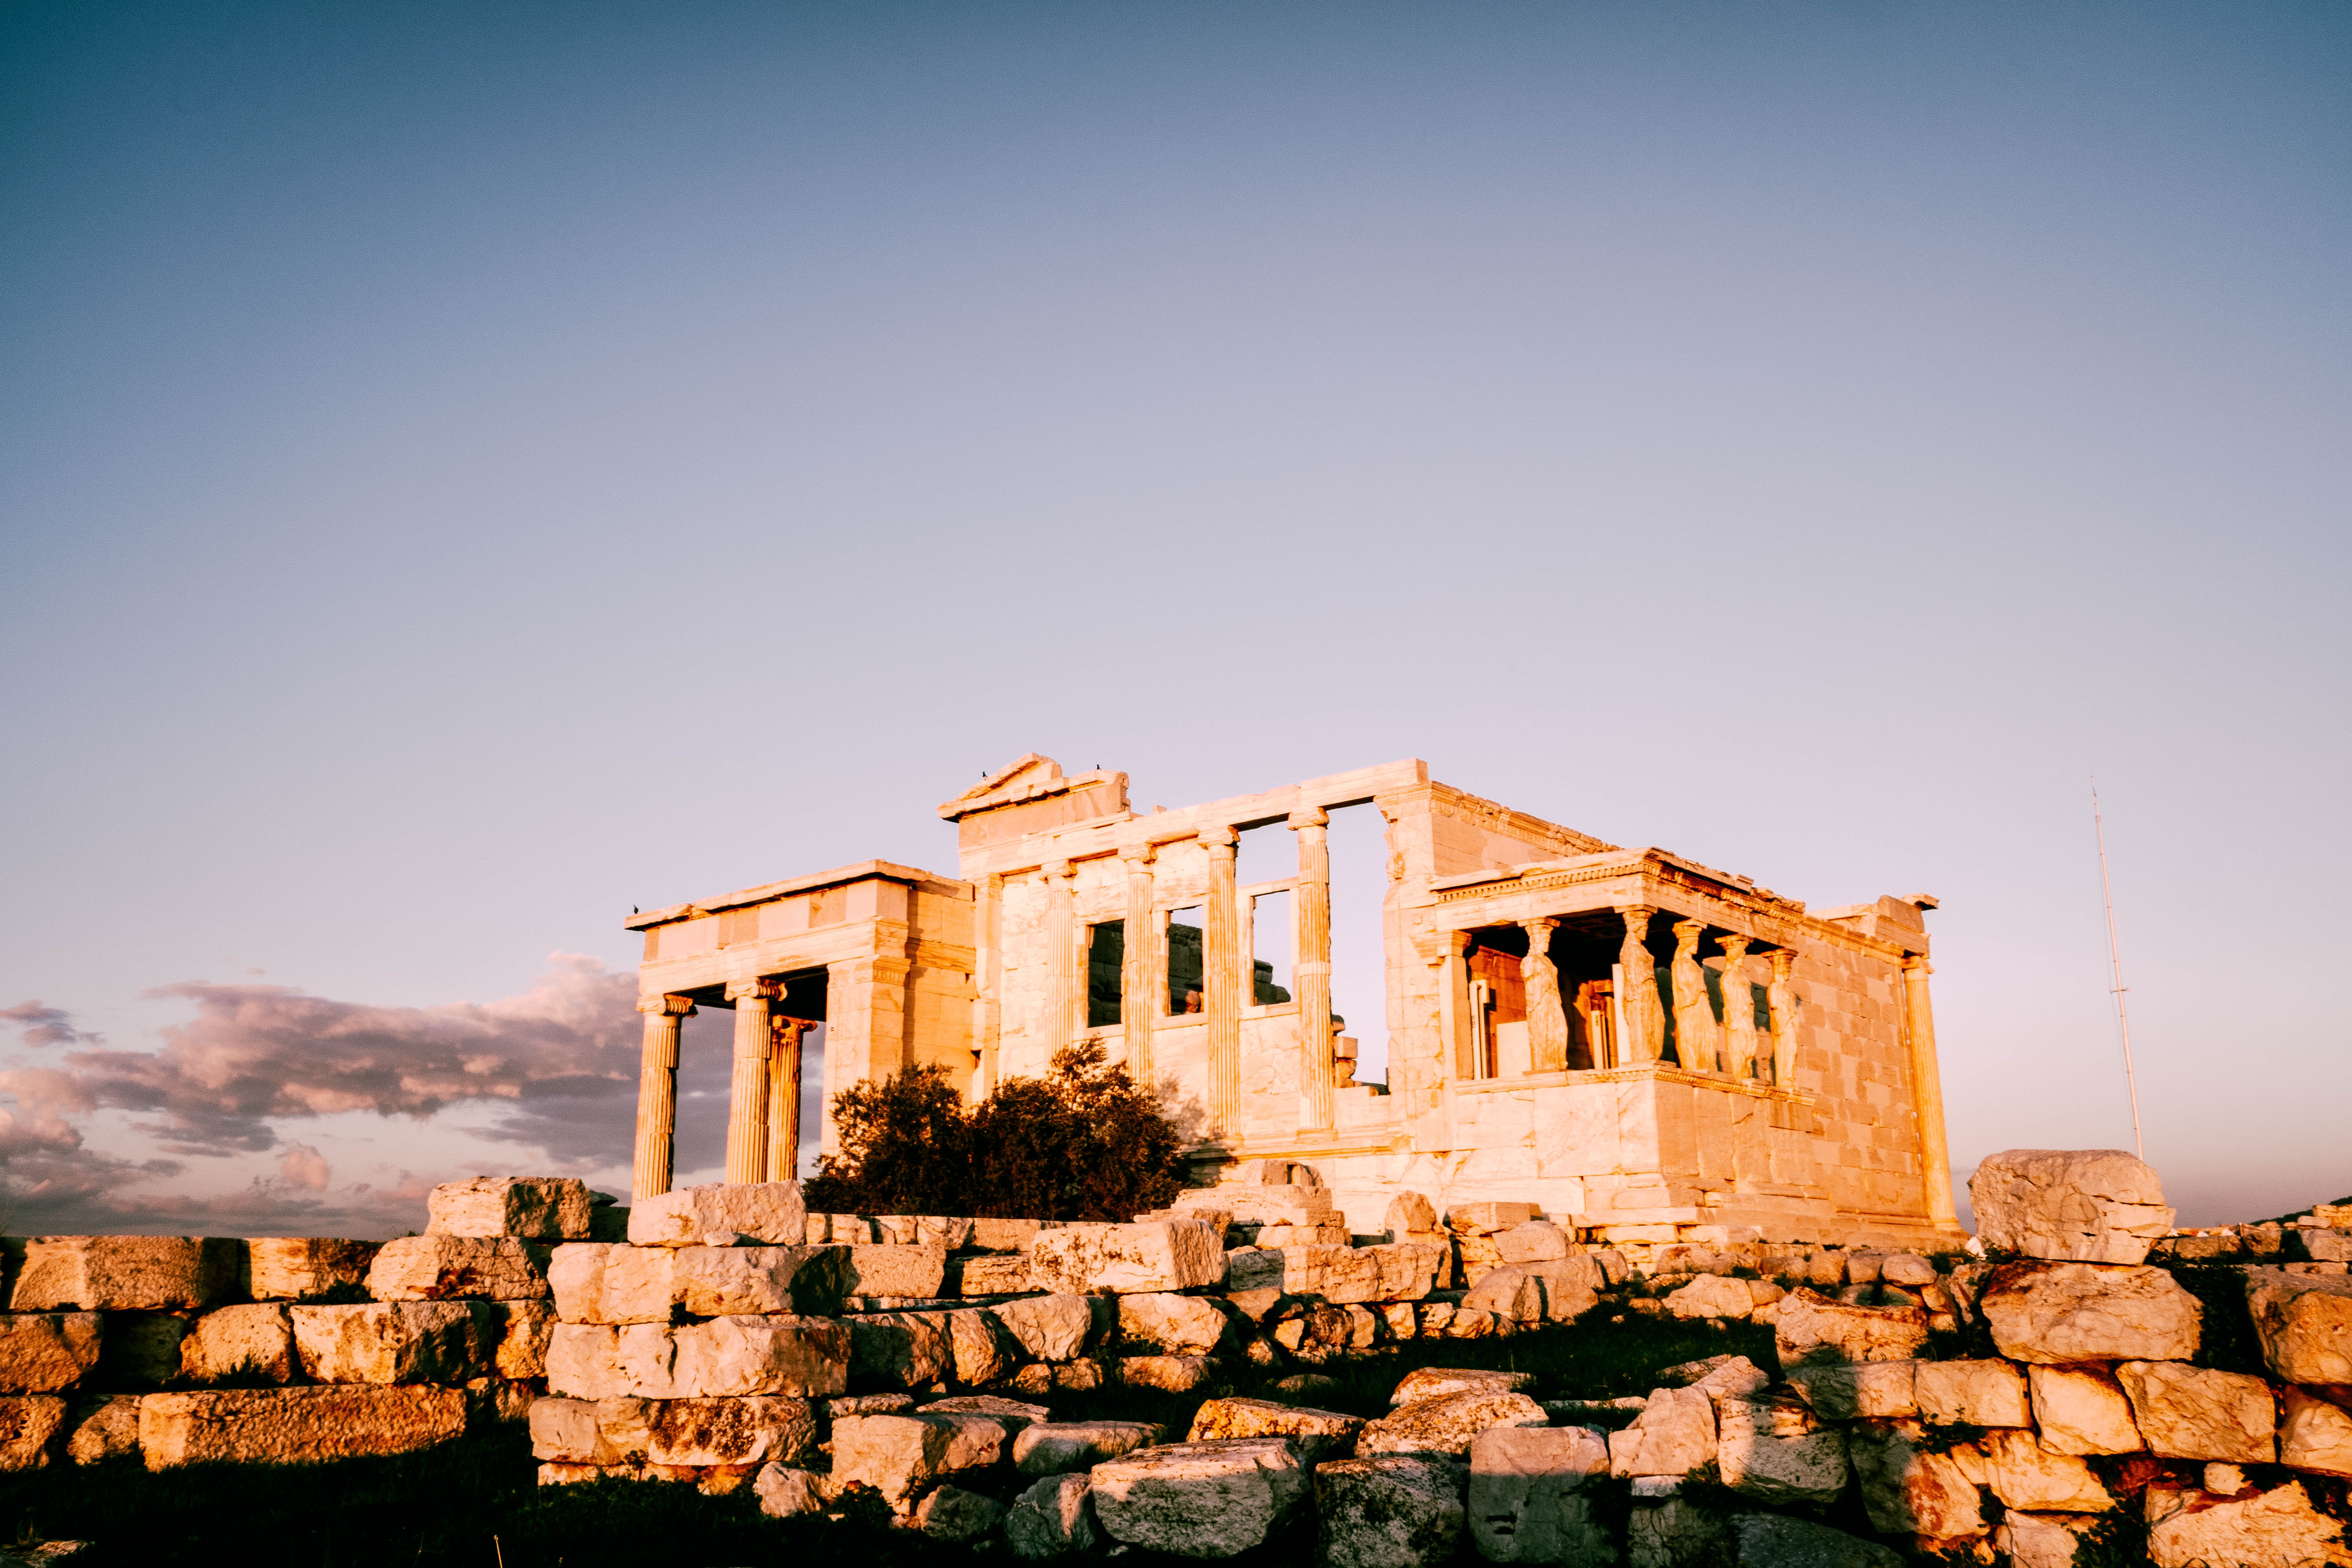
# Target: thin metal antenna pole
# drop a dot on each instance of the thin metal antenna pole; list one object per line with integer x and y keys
{"x": 2116, "y": 968}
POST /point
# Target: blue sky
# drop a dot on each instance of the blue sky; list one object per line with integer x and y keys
{"x": 465, "y": 471}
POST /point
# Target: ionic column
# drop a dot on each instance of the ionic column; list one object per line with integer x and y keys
{"x": 1137, "y": 1008}
{"x": 784, "y": 1100}
{"x": 1738, "y": 1010}
{"x": 1698, "y": 1043}
{"x": 1547, "y": 1018}
{"x": 1781, "y": 996}
{"x": 657, "y": 1093}
{"x": 1221, "y": 985}
{"x": 1310, "y": 902}
{"x": 1069, "y": 995}
{"x": 1927, "y": 1093}
{"x": 747, "y": 1111}
{"x": 1646, "y": 1014}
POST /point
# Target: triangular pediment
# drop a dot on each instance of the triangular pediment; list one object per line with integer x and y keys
{"x": 1024, "y": 779}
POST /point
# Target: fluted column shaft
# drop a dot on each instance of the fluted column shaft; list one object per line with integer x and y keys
{"x": 784, "y": 1100}
{"x": 1137, "y": 1004}
{"x": 747, "y": 1111}
{"x": 1221, "y": 985}
{"x": 1547, "y": 1017}
{"x": 1927, "y": 1093}
{"x": 1310, "y": 902}
{"x": 658, "y": 1094}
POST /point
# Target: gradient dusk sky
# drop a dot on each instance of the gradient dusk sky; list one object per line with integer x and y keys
{"x": 470, "y": 469}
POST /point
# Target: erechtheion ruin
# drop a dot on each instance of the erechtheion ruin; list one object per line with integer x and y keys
{"x": 1661, "y": 1050}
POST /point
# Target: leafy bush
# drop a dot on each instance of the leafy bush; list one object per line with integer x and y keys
{"x": 1083, "y": 1143}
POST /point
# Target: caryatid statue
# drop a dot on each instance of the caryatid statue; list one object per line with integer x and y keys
{"x": 1645, "y": 1019}
{"x": 1699, "y": 1041}
{"x": 1738, "y": 1010}
{"x": 1781, "y": 995}
{"x": 1547, "y": 1018}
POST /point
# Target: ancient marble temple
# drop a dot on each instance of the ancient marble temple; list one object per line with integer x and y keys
{"x": 1660, "y": 1050}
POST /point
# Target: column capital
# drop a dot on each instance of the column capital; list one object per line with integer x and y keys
{"x": 1313, "y": 816}
{"x": 1644, "y": 913}
{"x": 1539, "y": 925}
{"x": 668, "y": 1006}
{"x": 1917, "y": 963}
{"x": 1217, "y": 838}
{"x": 1054, "y": 869}
{"x": 1687, "y": 933}
{"x": 1734, "y": 945}
{"x": 1139, "y": 854}
{"x": 761, "y": 988}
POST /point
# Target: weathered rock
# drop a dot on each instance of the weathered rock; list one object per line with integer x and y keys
{"x": 1673, "y": 1435}
{"x": 2195, "y": 1413}
{"x": 29, "y": 1424}
{"x": 804, "y": 1357}
{"x": 289, "y": 1267}
{"x": 1907, "y": 1488}
{"x": 898, "y": 1455}
{"x": 910, "y": 1349}
{"x": 909, "y": 1272}
{"x": 1409, "y": 1213}
{"x": 394, "y": 1341}
{"x": 1392, "y": 1511}
{"x": 2083, "y": 1206}
{"x": 523, "y": 1338}
{"x": 981, "y": 1350}
{"x": 140, "y": 1350}
{"x": 604, "y": 1282}
{"x": 537, "y": 1208}
{"x": 1537, "y": 1241}
{"x": 1056, "y": 1517}
{"x": 109, "y": 1430}
{"x": 1173, "y": 1373}
{"x": 1486, "y": 1218}
{"x": 41, "y": 1352}
{"x": 1530, "y": 1497}
{"x": 2057, "y": 1314}
{"x": 1571, "y": 1286}
{"x": 1316, "y": 1433}
{"x": 125, "y": 1273}
{"x": 951, "y": 1514}
{"x": 989, "y": 1273}
{"x": 2024, "y": 1473}
{"x": 1199, "y": 1499}
{"x": 1049, "y": 1328}
{"x": 749, "y": 1431}
{"x": 1711, "y": 1295}
{"x": 1905, "y": 1269}
{"x": 1123, "y": 1260}
{"x": 1843, "y": 1391}
{"x": 2042, "y": 1539}
{"x": 1446, "y": 1424}
{"x": 566, "y": 1431}
{"x": 295, "y": 1426}
{"x": 2082, "y": 1411}
{"x": 1771, "y": 1448}
{"x": 1052, "y": 1447}
{"x": 453, "y": 1268}
{"x": 1509, "y": 1292}
{"x": 1405, "y": 1270}
{"x": 2314, "y": 1435}
{"x": 1181, "y": 1325}
{"x": 725, "y": 1214}
{"x": 1968, "y": 1394}
{"x": 980, "y": 1440}
{"x": 1676, "y": 1533}
{"x": 725, "y": 1281}
{"x": 2306, "y": 1323}
{"x": 1723, "y": 1377}
{"x": 254, "y": 1340}
{"x": 2274, "y": 1529}
{"x": 1774, "y": 1541}
{"x": 1812, "y": 1328}
{"x": 784, "y": 1491}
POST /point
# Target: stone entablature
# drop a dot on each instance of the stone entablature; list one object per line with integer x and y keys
{"x": 1620, "y": 1033}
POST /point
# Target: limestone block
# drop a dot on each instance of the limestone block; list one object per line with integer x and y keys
{"x": 525, "y": 1327}
{"x": 1172, "y": 1374}
{"x": 394, "y": 1341}
{"x": 1711, "y": 1295}
{"x": 1392, "y": 1511}
{"x": 1199, "y": 1499}
{"x": 1409, "y": 1213}
{"x": 29, "y": 1424}
{"x": 140, "y": 1350}
{"x": 1052, "y": 1447}
{"x": 1531, "y": 1494}
{"x": 1486, "y": 1218}
{"x": 2314, "y": 1435}
{"x": 1339, "y": 1275}
{"x": 910, "y": 1348}
{"x": 2274, "y": 1529}
{"x": 1039, "y": 1379}
{"x": 1845, "y": 1391}
{"x": 1676, "y": 1534}
{"x": 1253, "y": 1270}
{"x": 2056, "y": 1314}
{"x": 2306, "y": 1324}
{"x": 1537, "y": 1241}
{"x": 583, "y": 1362}
{"x": 1571, "y": 1287}
{"x": 953, "y": 1514}
{"x": 1316, "y": 1433}
{"x": 41, "y": 1352}
{"x": 498, "y": 1401}
{"x": 1774, "y": 1541}
{"x": 2081, "y": 1410}
{"x": 784, "y": 1491}
{"x": 727, "y": 1281}
{"x": 537, "y": 1208}
{"x": 608, "y": 1282}
{"x": 1771, "y": 1448}
{"x": 978, "y": 1348}
{"x": 125, "y": 1273}
{"x": 2194, "y": 1413}
{"x": 1056, "y": 1517}
{"x": 565, "y": 1431}
{"x": 2042, "y": 1539}
{"x": 1446, "y": 1424}
{"x": 2331, "y": 1246}
{"x": 1122, "y": 1259}
{"x": 255, "y": 1341}
{"x": 1907, "y": 1489}
{"x": 1438, "y": 1381}
{"x": 2025, "y": 1474}
{"x": 1905, "y": 1269}
{"x": 453, "y": 1268}
{"x": 803, "y": 1357}
{"x": 295, "y": 1426}
{"x": 1511, "y": 1292}
{"x": 725, "y": 1214}
{"x": 1811, "y": 1328}
{"x": 1003, "y": 1234}
{"x": 903, "y": 1271}
{"x": 1181, "y": 1325}
{"x": 1968, "y": 1394}
{"x": 1673, "y": 1435}
{"x": 2082, "y": 1205}
{"x": 289, "y": 1268}
{"x": 898, "y": 1455}
{"x": 977, "y": 1441}
{"x": 746, "y": 1431}
{"x": 1407, "y": 1270}
{"x": 110, "y": 1430}
{"x": 1049, "y": 1328}
{"x": 987, "y": 1274}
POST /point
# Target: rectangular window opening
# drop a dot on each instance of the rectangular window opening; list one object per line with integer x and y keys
{"x": 1184, "y": 932}
{"x": 1106, "y": 972}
